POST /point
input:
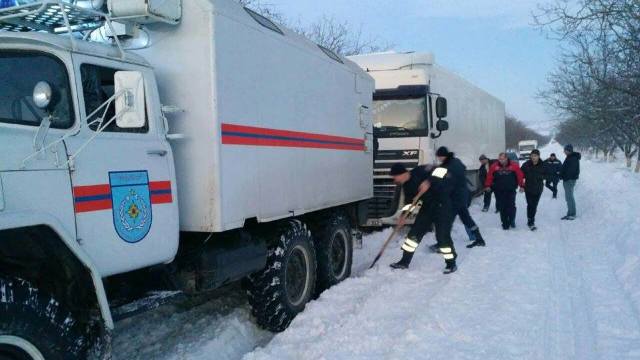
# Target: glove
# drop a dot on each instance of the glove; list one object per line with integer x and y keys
{"x": 412, "y": 209}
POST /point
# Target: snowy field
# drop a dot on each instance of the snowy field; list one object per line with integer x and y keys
{"x": 570, "y": 290}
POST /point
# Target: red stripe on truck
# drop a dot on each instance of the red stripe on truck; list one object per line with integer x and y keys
{"x": 256, "y": 136}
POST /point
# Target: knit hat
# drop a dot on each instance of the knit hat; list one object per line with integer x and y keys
{"x": 568, "y": 148}
{"x": 398, "y": 169}
{"x": 553, "y": 154}
{"x": 442, "y": 151}
{"x": 483, "y": 157}
{"x": 535, "y": 151}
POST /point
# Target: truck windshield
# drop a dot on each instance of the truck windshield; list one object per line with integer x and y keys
{"x": 527, "y": 147}
{"x": 20, "y": 71}
{"x": 406, "y": 115}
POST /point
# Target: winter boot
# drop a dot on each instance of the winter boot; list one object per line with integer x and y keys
{"x": 513, "y": 224}
{"x": 505, "y": 227}
{"x": 404, "y": 262}
{"x": 450, "y": 268}
{"x": 479, "y": 240}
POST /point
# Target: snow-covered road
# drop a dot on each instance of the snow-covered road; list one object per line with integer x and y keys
{"x": 570, "y": 290}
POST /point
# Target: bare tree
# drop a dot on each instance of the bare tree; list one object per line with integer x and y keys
{"x": 329, "y": 32}
{"x": 597, "y": 83}
{"x": 340, "y": 37}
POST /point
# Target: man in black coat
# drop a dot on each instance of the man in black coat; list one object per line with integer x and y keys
{"x": 433, "y": 187}
{"x": 569, "y": 173}
{"x": 534, "y": 171}
{"x": 461, "y": 195}
{"x": 554, "y": 165}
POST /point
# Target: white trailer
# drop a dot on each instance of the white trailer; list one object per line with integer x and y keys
{"x": 404, "y": 126}
{"x": 221, "y": 147}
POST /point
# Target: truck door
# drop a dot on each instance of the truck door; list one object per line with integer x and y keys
{"x": 123, "y": 180}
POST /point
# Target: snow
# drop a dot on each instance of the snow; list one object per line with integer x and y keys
{"x": 570, "y": 290}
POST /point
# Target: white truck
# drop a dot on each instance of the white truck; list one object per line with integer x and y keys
{"x": 525, "y": 147}
{"x": 220, "y": 147}
{"x": 410, "y": 96}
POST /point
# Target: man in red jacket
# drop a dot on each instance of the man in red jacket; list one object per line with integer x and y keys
{"x": 504, "y": 178}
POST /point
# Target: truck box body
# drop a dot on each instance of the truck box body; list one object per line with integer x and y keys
{"x": 476, "y": 123}
{"x": 263, "y": 144}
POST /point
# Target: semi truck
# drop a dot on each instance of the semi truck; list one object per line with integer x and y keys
{"x": 525, "y": 147}
{"x": 169, "y": 145}
{"x": 407, "y": 110}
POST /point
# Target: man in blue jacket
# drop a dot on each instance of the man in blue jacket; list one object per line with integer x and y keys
{"x": 569, "y": 173}
{"x": 461, "y": 196}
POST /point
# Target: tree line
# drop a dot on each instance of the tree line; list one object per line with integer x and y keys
{"x": 595, "y": 88}
{"x": 516, "y": 131}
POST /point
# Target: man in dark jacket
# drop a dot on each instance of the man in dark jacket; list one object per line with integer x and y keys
{"x": 503, "y": 178}
{"x": 461, "y": 195}
{"x": 432, "y": 186}
{"x": 553, "y": 173}
{"x": 534, "y": 171}
{"x": 483, "y": 170}
{"x": 569, "y": 173}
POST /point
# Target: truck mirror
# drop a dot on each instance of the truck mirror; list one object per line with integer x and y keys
{"x": 441, "y": 107}
{"x": 130, "y": 101}
{"x": 442, "y": 125}
{"x": 43, "y": 95}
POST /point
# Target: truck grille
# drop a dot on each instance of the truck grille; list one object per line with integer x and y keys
{"x": 386, "y": 194}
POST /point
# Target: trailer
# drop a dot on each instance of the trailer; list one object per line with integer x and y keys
{"x": 405, "y": 127}
{"x": 169, "y": 145}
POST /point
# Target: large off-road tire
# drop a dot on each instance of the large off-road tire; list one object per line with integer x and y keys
{"x": 281, "y": 291}
{"x": 334, "y": 250}
{"x": 33, "y": 325}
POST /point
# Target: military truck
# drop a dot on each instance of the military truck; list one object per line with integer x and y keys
{"x": 168, "y": 145}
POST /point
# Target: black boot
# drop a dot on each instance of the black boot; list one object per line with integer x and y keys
{"x": 479, "y": 240}
{"x": 532, "y": 225}
{"x": 450, "y": 268}
{"x": 404, "y": 262}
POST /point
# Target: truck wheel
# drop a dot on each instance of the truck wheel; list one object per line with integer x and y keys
{"x": 334, "y": 250}
{"x": 35, "y": 326}
{"x": 280, "y": 291}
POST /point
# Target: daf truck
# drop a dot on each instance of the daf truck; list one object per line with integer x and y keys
{"x": 408, "y": 125}
{"x": 525, "y": 147}
{"x": 169, "y": 145}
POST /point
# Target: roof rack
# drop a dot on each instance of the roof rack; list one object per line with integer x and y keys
{"x": 56, "y": 17}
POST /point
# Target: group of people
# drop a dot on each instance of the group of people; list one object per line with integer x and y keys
{"x": 435, "y": 195}
{"x": 503, "y": 177}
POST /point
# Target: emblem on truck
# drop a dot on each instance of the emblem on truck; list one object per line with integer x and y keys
{"x": 131, "y": 201}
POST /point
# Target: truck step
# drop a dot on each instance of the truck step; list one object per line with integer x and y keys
{"x": 152, "y": 301}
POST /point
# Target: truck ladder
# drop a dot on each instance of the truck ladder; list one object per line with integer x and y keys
{"x": 56, "y": 17}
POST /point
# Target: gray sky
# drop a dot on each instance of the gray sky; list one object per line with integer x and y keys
{"x": 489, "y": 42}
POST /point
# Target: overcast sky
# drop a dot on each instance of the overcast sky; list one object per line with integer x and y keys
{"x": 489, "y": 42}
